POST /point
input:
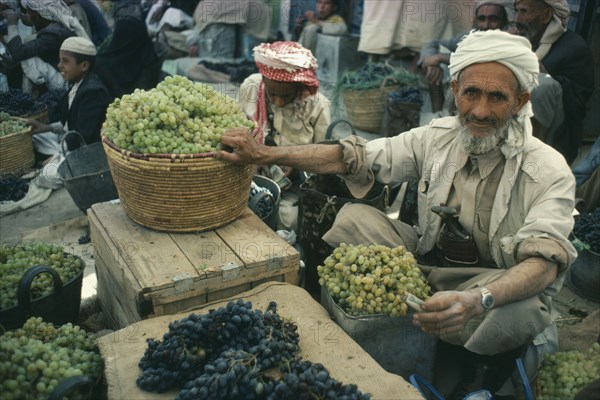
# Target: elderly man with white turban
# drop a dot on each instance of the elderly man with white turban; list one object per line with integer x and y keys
{"x": 567, "y": 73}
{"x": 511, "y": 194}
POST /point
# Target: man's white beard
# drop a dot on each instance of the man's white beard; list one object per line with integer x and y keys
{"x": 476, "y": 145}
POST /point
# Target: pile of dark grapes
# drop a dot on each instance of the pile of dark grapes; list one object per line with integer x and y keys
{"x": 235, "y": 352}
{"x": 52, "y": 100}
{"x": 18, "y": 103}
{"x": 406, "y": 95}
{"x": 587, "y": 229}
{"x": 264, "y": 207}
{"x": 13, "y": 188}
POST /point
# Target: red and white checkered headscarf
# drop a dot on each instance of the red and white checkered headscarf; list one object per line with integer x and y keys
{"x": 283, "y": 62}
{"x": 287, "y": 62}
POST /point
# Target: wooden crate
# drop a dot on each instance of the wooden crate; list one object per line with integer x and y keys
{"x": 143, "y": 273}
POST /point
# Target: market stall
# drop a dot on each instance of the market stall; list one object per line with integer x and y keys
{"x": 320, "y": 341}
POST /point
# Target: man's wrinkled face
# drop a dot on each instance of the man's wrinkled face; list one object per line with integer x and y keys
{"x": 531, "y": 19}
{"x": 487, "y": 97}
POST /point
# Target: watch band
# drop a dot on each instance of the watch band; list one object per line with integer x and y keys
{"x": 487, "y": 299}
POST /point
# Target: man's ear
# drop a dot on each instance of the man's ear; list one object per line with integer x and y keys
{"x": 547, "y": 16}
{"x": 454, "y": 85}
{"x": 524, "y": 97}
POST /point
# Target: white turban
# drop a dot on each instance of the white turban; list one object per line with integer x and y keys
{"x": 56, "y": 11}
{"x": 514, "y": 52}
{"x": 79, "y": 45}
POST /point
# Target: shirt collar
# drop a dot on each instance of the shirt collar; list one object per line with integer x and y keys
{"x": 487, "y": 162}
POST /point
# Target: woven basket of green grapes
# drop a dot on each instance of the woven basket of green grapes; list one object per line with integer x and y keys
{"x": 16, "y": 147}
{"x": 161, "y": 145}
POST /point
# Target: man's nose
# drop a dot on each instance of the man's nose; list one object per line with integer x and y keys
{"x": 481, "y": 109}
{"x": 278, "y": 101}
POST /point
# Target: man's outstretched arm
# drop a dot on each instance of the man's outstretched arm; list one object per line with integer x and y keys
{"x": 239, "y": 147}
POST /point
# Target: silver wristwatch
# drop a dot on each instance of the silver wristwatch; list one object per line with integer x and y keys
{"x": 487, "y": 299}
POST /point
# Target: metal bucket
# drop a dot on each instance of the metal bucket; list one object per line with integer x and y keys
{"x": 583, "y": 277}
{"x": 394, "y": 342}
{"x": 86, "y": 176}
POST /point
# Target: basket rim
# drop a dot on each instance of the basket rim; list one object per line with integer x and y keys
{"x": 147, "y": 157}
{"x": 23, "y": 132}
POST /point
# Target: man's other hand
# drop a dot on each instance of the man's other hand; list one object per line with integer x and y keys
{"x": 448, "y": 312}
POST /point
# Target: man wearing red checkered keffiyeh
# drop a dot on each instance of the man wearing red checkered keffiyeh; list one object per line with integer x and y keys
{"x": 284, "y": 99}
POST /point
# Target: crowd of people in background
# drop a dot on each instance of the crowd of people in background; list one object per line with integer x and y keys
{"x": 543, "y": 77}
{"x": 128, "y": 34}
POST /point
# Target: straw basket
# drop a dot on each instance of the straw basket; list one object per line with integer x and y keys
{"x": 365, "y": 108}
{"x": 16, "y": 153}
{"x": 178, "y": 193}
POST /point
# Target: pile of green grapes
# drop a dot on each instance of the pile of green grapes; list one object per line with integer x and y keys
{"x": 564, "y": 374}
{"x": 37, "y": 357}
{"x": 15, "y": 260}
{"x": 177, "y": 117}
{"x": 366, "y": 280}
{"x": 9, "y": 125}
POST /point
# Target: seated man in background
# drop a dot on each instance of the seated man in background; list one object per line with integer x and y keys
{"x": 489, "y": 14}
{"x": 88, "y": 12}
{"x": 567, "y": 73}
{"x": 494, "y": 302}
{"x": 284, "y": 97}
{"x": 284, "y": 101}
{"x": 39, "y": 55}
{"x": 325, "y": 21}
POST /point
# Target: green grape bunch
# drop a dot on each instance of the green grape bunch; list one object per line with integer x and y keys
{"x": 35, "y": 358}
{"x": 179, "y": 116}
{"x": 367, "y": 280}
{"x": 564, "y": 374}
{"x": 10, "y": 125}
{"x": 15, "y": 260}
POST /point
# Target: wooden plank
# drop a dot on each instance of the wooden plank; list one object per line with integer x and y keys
{"x": 118, "y": 291}
{"x": 107, "y": 250}
{"x": 207, "y": 252}
{"x": 255, "y": 243}
{"x": 115, "y": 307}
{"x": 229, "y": 292}
{"x": 277, "y": 278}
{"x": 210, "y": 285}
{"x": 154, "y": 258}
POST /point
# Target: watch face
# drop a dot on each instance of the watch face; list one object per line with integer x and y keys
{"x": 488, "y": 301}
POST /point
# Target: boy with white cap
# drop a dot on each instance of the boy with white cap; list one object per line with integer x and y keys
{"x": 83, "y": 107}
